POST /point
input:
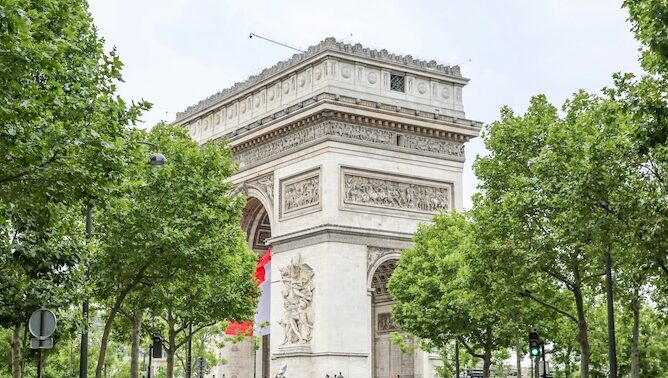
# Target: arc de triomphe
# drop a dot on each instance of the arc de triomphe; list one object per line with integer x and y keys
{"x": 342, "y": 152}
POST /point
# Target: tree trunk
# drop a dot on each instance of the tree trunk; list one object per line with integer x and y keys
{"x": 112, "y": 314}
{"x": 635, "y": 353}
{"x": 172, "y": 345}
{"x": 518, "y": 352}
{"x": 487, "y": 360}
{"x": 134, "y": 354}
{"x": 583, "y": 337}
{"x": 107, "y": 330}
{"x": 16, "y": 352}
{"x": 567, "y": 365}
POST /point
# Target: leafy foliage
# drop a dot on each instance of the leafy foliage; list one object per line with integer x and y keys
{"x": 172, "y": 236}
{"x": 63, "y": 142}
{"x": 443, "y": 293}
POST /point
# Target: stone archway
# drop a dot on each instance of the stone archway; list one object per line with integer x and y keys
{"x": 257, "y": 224}
{"x": 389, "y": 360}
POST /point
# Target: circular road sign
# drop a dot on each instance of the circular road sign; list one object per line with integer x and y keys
{"x": 42, "y": 323}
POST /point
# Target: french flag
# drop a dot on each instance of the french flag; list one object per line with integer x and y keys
{"x": 263, "y": 277}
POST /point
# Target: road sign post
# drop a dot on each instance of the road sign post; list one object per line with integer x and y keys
{"x": 42, "y": 324}
{"x": 200, "y": 363}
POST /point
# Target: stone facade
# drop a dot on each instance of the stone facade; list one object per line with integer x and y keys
{"x": 342, "y": 151}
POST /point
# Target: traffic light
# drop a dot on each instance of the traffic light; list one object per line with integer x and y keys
{"x": 157, "y": 345}
{"x": 534, "y": 344}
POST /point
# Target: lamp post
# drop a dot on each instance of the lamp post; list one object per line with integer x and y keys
{"x": 157, "y": 159}
{"x": 189, "y": 352}
{"x": 457, "y": 358}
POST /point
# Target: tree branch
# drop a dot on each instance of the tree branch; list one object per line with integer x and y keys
{"x": 585, "y": 278}
{"x": 559, "y": 277}
{"x": 527, "y": 294}
{"x": 31, "y": 170}
{"x": 469, "y": 349}
{"x": 178, "y": 345}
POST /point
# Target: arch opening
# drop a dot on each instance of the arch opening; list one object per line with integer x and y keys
{"x": 257, "y": 224}
{"x": 389, "y": 359}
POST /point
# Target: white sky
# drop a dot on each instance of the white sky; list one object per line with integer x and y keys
{"x": 178, "y": 52}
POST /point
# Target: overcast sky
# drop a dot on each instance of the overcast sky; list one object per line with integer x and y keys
{"x": 177, "y": 52}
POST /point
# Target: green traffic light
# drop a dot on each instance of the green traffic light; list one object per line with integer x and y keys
{"x": 535, "y": 352}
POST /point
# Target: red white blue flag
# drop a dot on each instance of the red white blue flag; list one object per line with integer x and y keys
{"x": 263, "y": 277}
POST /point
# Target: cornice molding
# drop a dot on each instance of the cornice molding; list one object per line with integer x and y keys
{"x": 323, "y": 98}
{"x": 327, "y": 45}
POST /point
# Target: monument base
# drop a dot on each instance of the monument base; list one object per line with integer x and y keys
{"x": 294, "y": 350}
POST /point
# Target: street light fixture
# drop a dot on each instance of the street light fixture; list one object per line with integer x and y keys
{"x": 157, "y": 159}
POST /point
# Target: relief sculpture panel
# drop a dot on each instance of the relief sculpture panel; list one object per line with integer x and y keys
{"x": 395, "y": 192}
{"x": 440, "y": 147}
{"x": 300, "y": 194}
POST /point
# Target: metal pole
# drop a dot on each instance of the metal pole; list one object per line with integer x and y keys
{"x": 542, "y": 347}
{"x": 612, "y": 347}
{"x": 531, "y": 360}
{"x": 83, "y": 360}
{"x": 39, "y": 351}
{"x": 39, "y": 363}
{"x": 150, "y": 361}
{"x": 189, "y": 355}
{"x": 457, "y": 358}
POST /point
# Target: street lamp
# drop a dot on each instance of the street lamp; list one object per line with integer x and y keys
{"x": 157, "y": 159}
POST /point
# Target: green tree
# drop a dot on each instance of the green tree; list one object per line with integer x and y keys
{"x": 173, "y": 233}
{"x": 566, "y": 189}
{"x": 645, "y": 101}
{"x": 62, "y": 141}
{"x": 443, "y": 293}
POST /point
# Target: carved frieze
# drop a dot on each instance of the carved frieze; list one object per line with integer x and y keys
{"x": 436, "y": 146}
{"x": 375, "y": 189}
{"x": 300, "y": 194}
{"x": 354, "y": 133}
{"x": 298, "y": 315}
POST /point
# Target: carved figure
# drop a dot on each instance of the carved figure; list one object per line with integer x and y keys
{"x": 297, "y": 295}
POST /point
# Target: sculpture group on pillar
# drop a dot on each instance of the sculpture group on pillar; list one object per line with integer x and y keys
{"x": 297, "y": 292}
